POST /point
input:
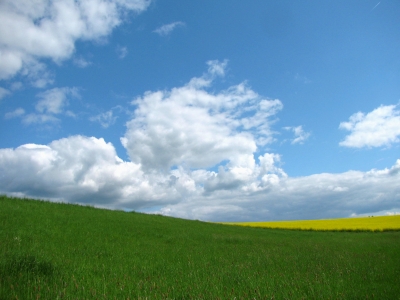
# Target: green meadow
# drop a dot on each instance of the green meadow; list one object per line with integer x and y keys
{"x": 63, "y": 251}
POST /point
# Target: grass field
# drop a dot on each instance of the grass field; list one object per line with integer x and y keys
{"x": 63, "y": 251}
{"x": 386, "y": 223}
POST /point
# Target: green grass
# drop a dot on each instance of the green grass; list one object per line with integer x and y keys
{"x": 63, "y": 251}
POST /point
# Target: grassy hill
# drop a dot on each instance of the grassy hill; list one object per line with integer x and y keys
{"x": 63, "y": 251}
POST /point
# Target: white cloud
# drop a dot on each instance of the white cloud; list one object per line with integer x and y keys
{"x": 4, "y": 93}
{"x": 88, "y": 170}
{"x": 16, "y": 113}
{"x": 381, "y": 127}
{"x": 311, "y": 197}
{"x": 299, "y": 134}
{"x": 53, "y": 101}
{"x": 396, "y": 213}
{"x": 168, "y": 28}
{"x": 193, "y": 127}
{"x": 32, "y": 30}
{"x": 216, "y": 68}
{"x": 81, "y": 169}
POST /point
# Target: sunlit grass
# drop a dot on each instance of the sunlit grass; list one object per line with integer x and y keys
{"x": 62, "y": 251}
{"x": 385, "y": 223}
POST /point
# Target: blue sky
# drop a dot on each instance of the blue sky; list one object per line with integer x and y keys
{"x": 212, "y": 110}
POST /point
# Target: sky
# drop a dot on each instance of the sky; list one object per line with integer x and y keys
{"x": 211, "y": 110}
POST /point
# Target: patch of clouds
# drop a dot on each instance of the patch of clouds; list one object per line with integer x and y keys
{"x": 216, "y": 68}
{"x": 393, "y": 213}
{"x": 37, "y": 73}
{"x": 166, "y": 29}
{"x": 14, "y": 114}
{"x": 42, "y": 29}
{"x": 52, "y": 102}
{"x": 70, "y": 114}
{"x": 106, "y": 119}
{"x": 122, "y": 52}
{"x": 4, "y": 93}
{"x": 80, "y": 62}
{"x": 299, "y": 134}
{"x": 378, "y": 128}
{"x": 35, "y": 118}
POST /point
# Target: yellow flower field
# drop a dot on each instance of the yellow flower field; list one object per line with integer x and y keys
{"x": 352, "y": 224}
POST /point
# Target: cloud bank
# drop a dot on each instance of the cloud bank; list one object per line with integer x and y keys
{"x": 87, "y": 170}
{"x": 194, "y": 153}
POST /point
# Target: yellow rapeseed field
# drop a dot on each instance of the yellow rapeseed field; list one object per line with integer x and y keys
{"x": 352, "y": 224}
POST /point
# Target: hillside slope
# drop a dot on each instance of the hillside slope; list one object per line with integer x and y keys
{"x": 63, "y": 251}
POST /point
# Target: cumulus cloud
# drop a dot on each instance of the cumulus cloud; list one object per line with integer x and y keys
{"x": 87, "y": 170}
{"x": 168, "y": 28}
{"x": 81, "y": 169}
{"x": 32, "y": 30}
{"x": 191, "y": 126}
{"x": 381, "y": 127}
